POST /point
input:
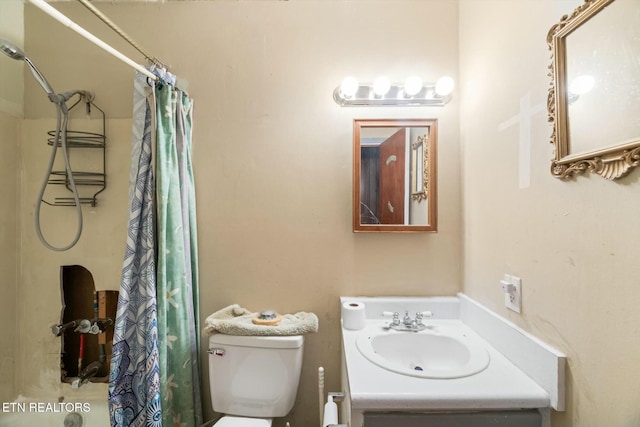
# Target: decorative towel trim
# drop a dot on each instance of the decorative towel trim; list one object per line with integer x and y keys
{"x": 236, "y": 320}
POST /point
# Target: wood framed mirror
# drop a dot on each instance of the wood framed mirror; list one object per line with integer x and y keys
{"x": 395, "y": 175}
{"x": 594, "y": 97}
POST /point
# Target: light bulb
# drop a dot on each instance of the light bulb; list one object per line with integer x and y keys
{"x": 381, "y": 85}
{"x": 444, "y": 86}
{"x": 412, "y": 85}
{"x": 348, "y": 87}
{"x": 581, "y": 84}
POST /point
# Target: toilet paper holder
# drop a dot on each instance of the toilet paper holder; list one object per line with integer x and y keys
{"x": 336, "y": 396}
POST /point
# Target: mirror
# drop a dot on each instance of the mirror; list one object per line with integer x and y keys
{"x": 394, "y": 175}
{"x": 594, "y": 97}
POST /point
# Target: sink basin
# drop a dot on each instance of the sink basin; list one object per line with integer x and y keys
{"x": 444, "y": 352}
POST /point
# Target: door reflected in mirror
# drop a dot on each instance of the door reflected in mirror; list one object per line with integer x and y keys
{"x": 394, "y": 175}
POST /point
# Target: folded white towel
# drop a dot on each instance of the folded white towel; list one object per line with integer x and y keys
{"x": 236, "y": 320}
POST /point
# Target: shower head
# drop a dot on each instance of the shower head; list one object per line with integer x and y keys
{"x": 11, "y": 50}
{"x": 14, "y": 52}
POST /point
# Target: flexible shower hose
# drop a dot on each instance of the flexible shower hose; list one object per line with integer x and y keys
{"x": 61, "y": 135}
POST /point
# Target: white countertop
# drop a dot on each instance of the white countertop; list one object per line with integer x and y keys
{"x": 500, "y": 386}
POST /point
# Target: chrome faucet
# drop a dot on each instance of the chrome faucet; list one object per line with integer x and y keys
{"x": 407, "y": 324}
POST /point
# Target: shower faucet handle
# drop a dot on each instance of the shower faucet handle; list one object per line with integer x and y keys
{"x": 57, "y": 329}
{"x": 100, "y": 325}
{"x": 84, "y": 326}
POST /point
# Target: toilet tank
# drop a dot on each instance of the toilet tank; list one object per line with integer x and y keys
{"x": 254, "y": 376}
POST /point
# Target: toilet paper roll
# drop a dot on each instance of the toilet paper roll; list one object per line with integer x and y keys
{"x": 353, "y": 315}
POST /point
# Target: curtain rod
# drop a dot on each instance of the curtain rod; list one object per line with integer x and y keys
{"x": 55, "y": 14}
{"x": 120, "y": 32}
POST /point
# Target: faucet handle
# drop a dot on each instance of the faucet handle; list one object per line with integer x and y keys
{"x": 84, "y": 326}
{"x": 395, "y": 314}
{"x": 421, "y": 314}
{"x": 57, "y": 330}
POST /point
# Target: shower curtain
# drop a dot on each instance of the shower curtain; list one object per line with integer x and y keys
{"x": 155, "y": 373}
{"x": 178, "y": 318}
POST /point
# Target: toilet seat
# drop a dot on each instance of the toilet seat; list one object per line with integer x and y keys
{"x": 230, "y": 421}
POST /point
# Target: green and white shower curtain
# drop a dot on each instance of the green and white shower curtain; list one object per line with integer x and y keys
{"x": 177, "y": 280}
{"x": 155, "y": 371}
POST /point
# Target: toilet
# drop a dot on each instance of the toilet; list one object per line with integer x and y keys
{"x": 253, "y": 379}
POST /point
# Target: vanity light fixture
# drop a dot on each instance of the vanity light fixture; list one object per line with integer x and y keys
{"x": 412, "y": 86}
{"x": 348, "y": 87}
{"x": 413, "y": 92}
{"x": 381, "y": 86}
{"x": 444, "y": 86}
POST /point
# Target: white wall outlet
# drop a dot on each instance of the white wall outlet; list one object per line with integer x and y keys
{"x": 512, "y": 288}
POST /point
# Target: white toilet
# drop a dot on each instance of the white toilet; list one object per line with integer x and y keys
{"x": 253, "y": 379}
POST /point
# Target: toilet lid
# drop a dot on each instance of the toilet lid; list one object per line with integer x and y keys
{"x": 229, "y": 421}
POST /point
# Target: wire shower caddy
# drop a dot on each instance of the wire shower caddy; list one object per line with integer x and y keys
{"x": 94, "y": 180}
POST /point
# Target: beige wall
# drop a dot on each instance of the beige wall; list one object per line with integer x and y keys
{"x": 11, "y": 90}
{"x": 574, "y": 244}
{"x": 12, "y": 81}
{"x": 9, "y": 249}
{"x": 272, "y": 157}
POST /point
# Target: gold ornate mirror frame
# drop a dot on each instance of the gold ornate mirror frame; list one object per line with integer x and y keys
{"x": 614, "y": 159}
{"x": 419, "y": 164}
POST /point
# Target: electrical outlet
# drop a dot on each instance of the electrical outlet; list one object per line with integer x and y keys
{"x": 512, "y": 288}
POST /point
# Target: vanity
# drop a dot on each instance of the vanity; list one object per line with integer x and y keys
{"x": 454, "y": 364}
